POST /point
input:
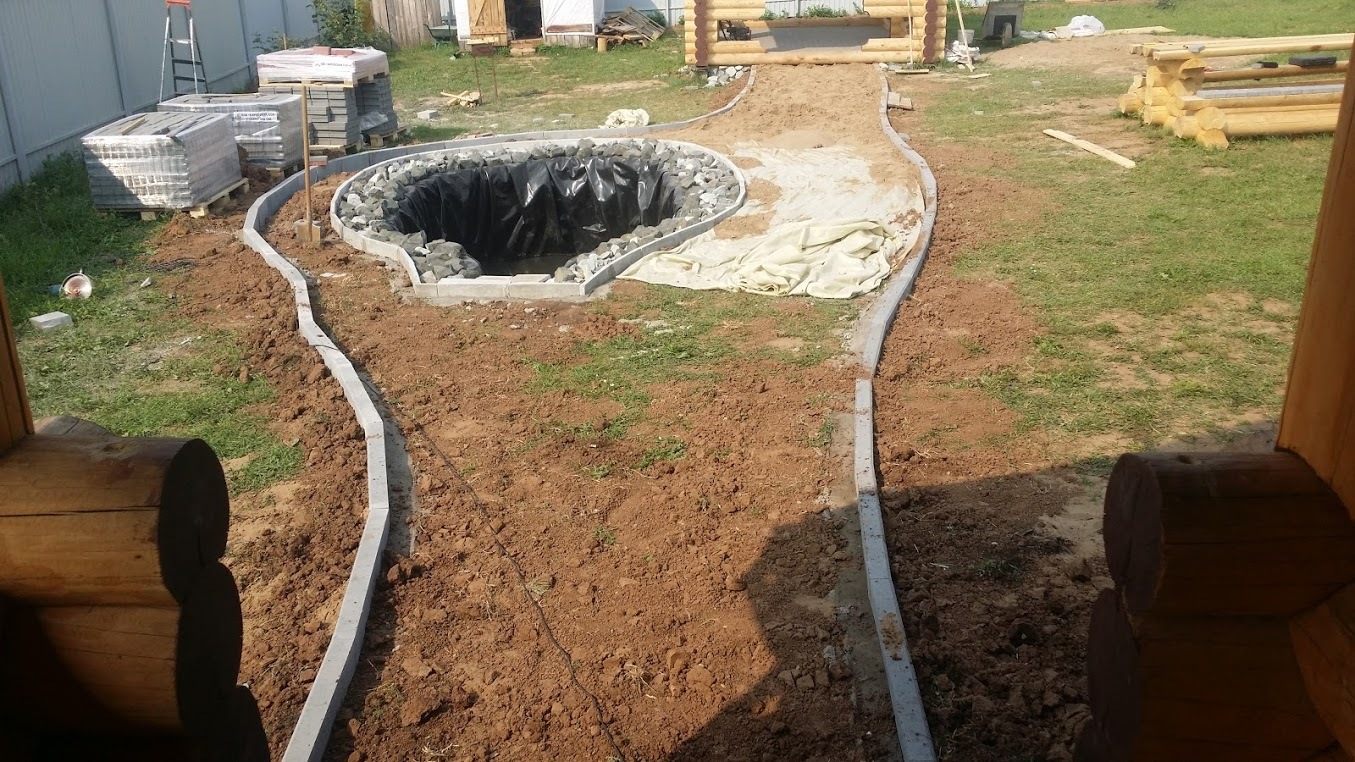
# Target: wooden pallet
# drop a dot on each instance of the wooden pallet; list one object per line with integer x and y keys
{"x": 212, "y": 204}
{"x": 325, "y": 83}
{"x": 378, "y": 141}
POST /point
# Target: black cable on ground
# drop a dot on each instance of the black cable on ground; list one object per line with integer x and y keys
{"x": 522, "y": 578}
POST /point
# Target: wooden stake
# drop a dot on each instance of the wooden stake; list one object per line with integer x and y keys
{"x": 1092, "y": 148}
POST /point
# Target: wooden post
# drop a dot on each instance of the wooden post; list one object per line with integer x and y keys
{"x": 16, "y": 419}
{"x": 1318, "y": 421}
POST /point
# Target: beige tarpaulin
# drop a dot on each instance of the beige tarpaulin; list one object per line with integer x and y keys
{"x": 829, "y": 259}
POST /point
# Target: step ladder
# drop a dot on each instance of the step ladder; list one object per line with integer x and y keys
{"x": 181, "y": 51}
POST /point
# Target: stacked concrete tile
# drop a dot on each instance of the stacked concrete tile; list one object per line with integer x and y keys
{"x": 322, "y": 64}
{"x": 331, "y": 111}
{"x": 377, "y": 107}
{"x": 267, "y": 125}
{"x": 161, "y": 160}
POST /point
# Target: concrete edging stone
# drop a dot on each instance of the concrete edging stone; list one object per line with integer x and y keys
{"x": 910, "y": 716}
{"x": 311, "y": 734}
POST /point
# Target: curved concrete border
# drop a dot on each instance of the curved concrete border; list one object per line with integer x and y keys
{"x": 529, "y": 286}
{"x": 311, "y": 734}
{"x": 910, "y": 717}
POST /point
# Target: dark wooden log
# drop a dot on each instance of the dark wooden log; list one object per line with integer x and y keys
{"x": 1324, "y": 642}
{"x": 127, "y": 669}
{"x": 97, "y": 521}
{"x": 1226, "y": 534}
{"x": 69, "y": 426}
{"x": 1227, "y": 688}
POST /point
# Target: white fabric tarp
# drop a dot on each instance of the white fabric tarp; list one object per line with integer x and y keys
{"x": 828, "y": 259}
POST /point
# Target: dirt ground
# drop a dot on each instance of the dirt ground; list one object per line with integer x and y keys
{"x": 704, "y": 607}
{"x": 994, "y": 531}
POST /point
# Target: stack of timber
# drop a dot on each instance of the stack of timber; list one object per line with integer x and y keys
{"x": 1190, "y": 656}
{"x": 1181, "y": 92}
{"x": 121, "y": 628}
{"x": 916, "y": 34}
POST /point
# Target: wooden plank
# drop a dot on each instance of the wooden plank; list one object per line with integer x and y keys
{"x": 1256, "y": 47}
{"x": 1104, "y": 153}
{"x": 1318, "y": 419}
{"x": 16, "y": 419}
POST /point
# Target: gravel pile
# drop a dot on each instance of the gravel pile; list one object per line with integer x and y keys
{"x": 719, "y": 76}
{"x": 708, "y": 186}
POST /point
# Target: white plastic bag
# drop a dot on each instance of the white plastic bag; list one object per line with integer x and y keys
{"x": 1086, "y": 26}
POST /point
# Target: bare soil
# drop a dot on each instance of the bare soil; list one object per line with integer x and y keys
{"x": 994, "y": 530}
{"x": 290, "y": 547}
{"x": 569, "y": 596}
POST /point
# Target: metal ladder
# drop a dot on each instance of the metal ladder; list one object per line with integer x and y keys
{"x": 176, "y": 47}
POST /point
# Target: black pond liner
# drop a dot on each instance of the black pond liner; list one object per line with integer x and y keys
{"x": 532, "y": 216}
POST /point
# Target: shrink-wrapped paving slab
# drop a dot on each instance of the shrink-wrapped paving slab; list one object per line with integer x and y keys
{"x": 160, "y": 160}
{"x": 267, "y": 125}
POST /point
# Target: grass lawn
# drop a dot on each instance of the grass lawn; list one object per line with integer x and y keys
{"x": 127, "y": 364}
{"x": 1169, "y": 291}
{"x": 558, "y": 88}
{"x": 1204, "y": 18}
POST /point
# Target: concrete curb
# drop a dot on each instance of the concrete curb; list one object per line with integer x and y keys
{"x": 910, "y": 717}
{"x": 311, "y": 734}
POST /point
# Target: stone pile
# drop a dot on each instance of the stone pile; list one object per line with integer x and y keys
{"x": 708, "y": 186}
{"x": 719, "y": 76}
{"x": 376, "y": 107}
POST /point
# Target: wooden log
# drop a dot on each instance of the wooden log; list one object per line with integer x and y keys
{"x": 1333, "y": 753}
{"x": 69, "y": 425}
{"x": 733, "y": 46}
{"x": 1224, "y": 534}
{"x": 1276, "y": 72}
{"x": 1255, "y": 48}
{"x": 1281, "y": 120}
{"x": 904, "y": 44}
{"x": 1324, "y": 643}
{"x": 1298, "y": 97}
{"x": 1204, "y": 688}
{"x": 1185, "y": 127}
{"x": 99, "y": 521}
{"x": 1211, "y": 118}
{"x": 1318, "y": 422}
{"x": 1129, "y": 104}
{"x": 16, "y": 419}
{"x": 128, "y": 668}
{"x": 1157, "y": 45}
{"x": 1216, "y": 140}
{"x": 734, "y": 14}
{"x": 1262, "y": 88}
{"x": 1155, "y": 115}
{"x": 809, "y": 57}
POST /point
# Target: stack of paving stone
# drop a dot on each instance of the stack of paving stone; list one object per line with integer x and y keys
{"x": 161, "y": 160}
{"x": 377, "y": 107}
{"x": 331, "y": 110}
{"x": 267, "y": 125}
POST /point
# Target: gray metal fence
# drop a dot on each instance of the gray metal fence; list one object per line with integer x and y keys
{"x": 68, "y": 66}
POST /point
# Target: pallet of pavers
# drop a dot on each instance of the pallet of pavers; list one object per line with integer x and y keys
{"x": 348, "y": 92}
{"x": 162, "y": 161}
{"x": 344, "y": 66}
{"x": 376, "y": 105}
{"x": 268, "y": 126}
{"x": 331, "y": 111}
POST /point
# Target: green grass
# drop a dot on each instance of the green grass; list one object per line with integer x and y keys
{"x": 537, "y": 92}
{"x": 1212, "y": 18}
{"x": 686, "y": 336}
{"x": 665, "y": 448}
{"x": 127, "y": 363}
{"x": 1154, "y": 283}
